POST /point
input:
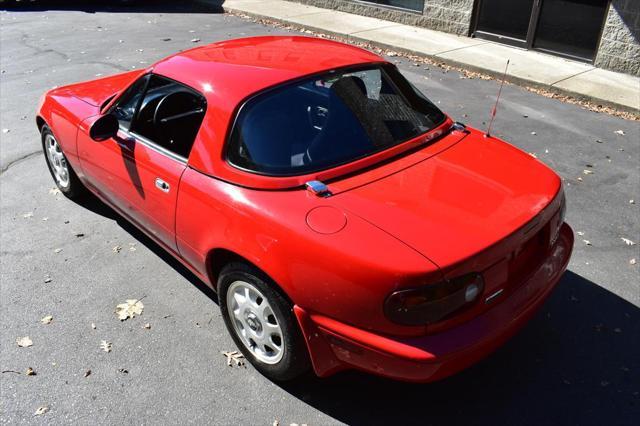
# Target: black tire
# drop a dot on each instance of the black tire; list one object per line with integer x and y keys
{"x": 74, "y": 188}
{"x": 295, "y": 359}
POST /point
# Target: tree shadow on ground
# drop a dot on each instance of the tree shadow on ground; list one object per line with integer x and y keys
{"x": 115, "y": 6}
{"x": 576, "y": 363}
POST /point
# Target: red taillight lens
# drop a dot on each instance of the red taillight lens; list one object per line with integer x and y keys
{"x": 433, "y": 302}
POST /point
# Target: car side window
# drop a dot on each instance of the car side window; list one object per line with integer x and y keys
{"x": 169, "y": 115}
{"x": 125, "y": 108}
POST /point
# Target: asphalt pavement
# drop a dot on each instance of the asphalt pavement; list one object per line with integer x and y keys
{"x": 577, "y": 362}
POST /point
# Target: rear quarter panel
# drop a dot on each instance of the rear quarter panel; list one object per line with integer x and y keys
{"x": 345, "y": 275}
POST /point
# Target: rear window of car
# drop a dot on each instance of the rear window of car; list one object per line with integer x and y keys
{"x": 328, "y": 120}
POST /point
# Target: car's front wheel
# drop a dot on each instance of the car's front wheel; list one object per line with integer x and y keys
{"x": 261, "y": 322}
{"x": 65, "y": 178}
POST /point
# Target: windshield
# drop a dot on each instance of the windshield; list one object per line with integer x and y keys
{"x": 329, "y": 120}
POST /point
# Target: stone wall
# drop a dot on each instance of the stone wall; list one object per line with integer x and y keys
{"x": 620, "y": 44}
{"x": 452, "y": 16}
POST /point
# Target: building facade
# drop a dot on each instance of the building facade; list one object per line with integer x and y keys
{"x": 605, "y": 33}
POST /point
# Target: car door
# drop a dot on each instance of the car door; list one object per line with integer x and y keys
{"x": 141, "y": 168}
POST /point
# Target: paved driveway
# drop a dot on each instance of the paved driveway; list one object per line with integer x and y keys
{"x": 577, "y": 362}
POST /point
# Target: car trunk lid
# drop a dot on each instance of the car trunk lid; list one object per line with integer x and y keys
{"x": 465, "y": 197}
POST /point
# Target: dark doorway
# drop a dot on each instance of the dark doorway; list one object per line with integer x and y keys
{"x": 569, "y": 28}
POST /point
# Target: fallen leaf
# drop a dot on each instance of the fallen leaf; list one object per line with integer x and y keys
{"x": 27, "y": 215}
{"x": 195, "y": 40}
{"x": 533, "y": 133}
{"x": 579, "y": 179}
{"x": 93, "y": 326}
{"x": 116, "y": 249}
{"x": 632, "y": 202}
{"x": 147, "y": 326}
{"x": 105, "y": 346}
{"x": 587, "y": 172}
{"x": 633, "y": 261}
{"x": 87, "y": 373}
{"x": 234, "y": 357}
{"x": 123, "y": 370}
{"x": 30, "y": 372}
{"x": 587, "y": 242}
{"x": 47, "y": 319}
{"x": 580, "y": 233}
{"x": 41, "y": 410}
{"x": 44, "y": 219}
{"x": 129, "y": 309}
{"x": 55, "y": 191}
{"x": 5, "y": 130}
{"x": 58, "y": 250}
{"x": 47, "y": 280}
{"x": 619, "y": 132}
{"x": 627, "y": 241}
{"x": 24, "y": 342}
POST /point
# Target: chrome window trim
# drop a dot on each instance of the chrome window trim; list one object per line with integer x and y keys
{"x": 149, "y": 143}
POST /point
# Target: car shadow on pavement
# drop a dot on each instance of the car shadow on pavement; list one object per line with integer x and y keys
{"x": 577, "y": 362}
{"x": 94, "y": 204}
{"x": 115, "y": 6}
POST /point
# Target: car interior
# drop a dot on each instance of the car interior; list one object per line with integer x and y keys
{"x": 324, "y": 121}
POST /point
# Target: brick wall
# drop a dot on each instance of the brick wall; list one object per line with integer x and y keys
{"x": 620, "y": 44}
{"x": 452, "y": 16}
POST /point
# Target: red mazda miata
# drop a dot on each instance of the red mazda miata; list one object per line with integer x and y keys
{"x": 342, "y": 218}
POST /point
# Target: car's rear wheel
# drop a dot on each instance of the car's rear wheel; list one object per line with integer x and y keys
{"x": 63, "y": 175}
{"x": 261, "y": 322}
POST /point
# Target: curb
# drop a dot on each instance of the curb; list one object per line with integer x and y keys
{"x": 514, "y": 80}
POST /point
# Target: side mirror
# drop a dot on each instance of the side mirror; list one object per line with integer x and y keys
{"x": 104, "y": 128}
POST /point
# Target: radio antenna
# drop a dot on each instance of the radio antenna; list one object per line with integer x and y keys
{"x": 495, "y": 107}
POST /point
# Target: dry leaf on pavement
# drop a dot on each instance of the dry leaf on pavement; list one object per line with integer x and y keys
{"x": 30, "y": 372}
{"x": 105, "y": 346}
{"x": 627, "y": 241}
{"x": 24, "y": 342}
{"x": 47, "y": 319}
{"x": 619, "y": 132}
{"x": 41, "y": 410}
{"x": 129, "y": 309}
{"x": 236, "y": 357}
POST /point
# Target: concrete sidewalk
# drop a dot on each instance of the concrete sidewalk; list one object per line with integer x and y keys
{"x": 527, "y": 67}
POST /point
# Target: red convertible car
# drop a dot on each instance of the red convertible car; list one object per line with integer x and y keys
{"x": 343, "y": 219}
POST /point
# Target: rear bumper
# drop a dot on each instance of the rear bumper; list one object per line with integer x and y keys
{"x": 335, "y": 346}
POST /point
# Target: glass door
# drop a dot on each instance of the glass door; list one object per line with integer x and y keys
{"x": 506, "y": 21}
{"x": 569, "y": 28}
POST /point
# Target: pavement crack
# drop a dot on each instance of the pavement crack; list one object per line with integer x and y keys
{"x": 19, "y": 160}
{"x": 24, "y": 41}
